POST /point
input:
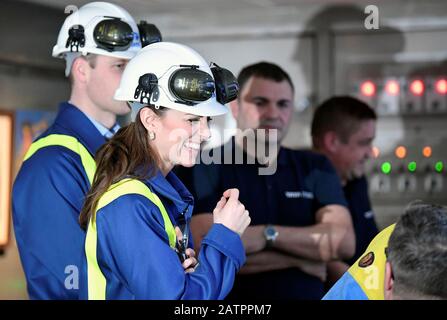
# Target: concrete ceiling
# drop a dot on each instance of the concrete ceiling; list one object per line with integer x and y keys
{"x": 179, "y": 18}
{"x": 167, "y": 6}
{"x": 197, "y": 18}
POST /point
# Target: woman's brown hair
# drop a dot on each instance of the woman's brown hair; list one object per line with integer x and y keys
{"x": 127, "y": 154}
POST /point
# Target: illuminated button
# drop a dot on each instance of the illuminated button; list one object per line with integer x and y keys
{"x": 401, "y": 152}
{"x": 427, "y": 151}
{"x": 412, "y": 166}
{"x": 368, "y": 88}
{"x": 376, "y": 152}
{"x": 417, "y": 87}
{"x": 386, "y": 167}
{"x": 441, "y": 86}
{"x": 392, "y": 87}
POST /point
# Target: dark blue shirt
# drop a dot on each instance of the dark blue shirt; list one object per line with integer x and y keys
{"x": 365, "y": 227}
{"x": 303, "y": 183}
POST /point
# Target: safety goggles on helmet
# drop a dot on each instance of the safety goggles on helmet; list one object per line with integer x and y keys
{"x": 112, "y": 34}
{"x": 190, "y": 86}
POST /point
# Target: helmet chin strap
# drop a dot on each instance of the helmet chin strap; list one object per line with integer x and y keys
{"x": 135, "y": 107}
{"x": 69, "y": 59}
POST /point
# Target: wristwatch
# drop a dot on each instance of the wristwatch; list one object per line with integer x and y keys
{"x": 270, "y": 234}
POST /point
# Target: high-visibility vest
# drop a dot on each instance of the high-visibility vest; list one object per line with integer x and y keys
{"x": 70, "y": 143}
{"x": 96, "y": 279}
{"x": 369, "y": 270}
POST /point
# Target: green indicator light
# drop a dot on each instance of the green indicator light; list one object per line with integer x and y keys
{"x": 412, "y": 166}
{"x": 386, "y": 167}
{"x": 439, "y": 166}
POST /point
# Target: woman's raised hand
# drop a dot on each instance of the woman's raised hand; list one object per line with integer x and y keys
{"x": 231, "y": 212}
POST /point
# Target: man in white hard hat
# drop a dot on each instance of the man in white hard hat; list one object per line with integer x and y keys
{"x": 96, "y": 41}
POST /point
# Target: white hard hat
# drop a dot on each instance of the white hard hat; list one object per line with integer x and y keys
{"x": 100, "y": 28}
{"x": 172, "y": 75}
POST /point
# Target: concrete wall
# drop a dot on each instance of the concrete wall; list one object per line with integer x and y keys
{"x": 29, "y": 79}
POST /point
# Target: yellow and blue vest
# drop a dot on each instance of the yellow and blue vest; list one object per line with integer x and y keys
{"x": 129, "y": 246}
{"x": 48, "y": 195}
{"x": 96, "y": 280}
{"x": 365, "y": 279}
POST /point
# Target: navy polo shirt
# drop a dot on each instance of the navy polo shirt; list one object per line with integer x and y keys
{"x": 303, "y": 183}
{"x": 365, "y": 227}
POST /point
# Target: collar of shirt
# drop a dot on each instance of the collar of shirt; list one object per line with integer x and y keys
{"x": 72, "y": 121}
{"x": 173, "y": 189}
{"x": 105, "y": 132}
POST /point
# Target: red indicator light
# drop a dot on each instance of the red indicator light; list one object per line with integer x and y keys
{"x": 427, "y": 151}
{"x": 417, "y": 87}
{"x": 401, "y": 152}
{"x": 368, "y": 88}
{"x": 376, "y": 152}
{"x": 392, "y": 87}
{"x": 441, "y": 86}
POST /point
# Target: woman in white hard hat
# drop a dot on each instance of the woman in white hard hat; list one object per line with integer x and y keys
{"x": 136, "y": 208}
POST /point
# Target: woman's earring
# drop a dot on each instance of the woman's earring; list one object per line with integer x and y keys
{"x": 151, "y": 135}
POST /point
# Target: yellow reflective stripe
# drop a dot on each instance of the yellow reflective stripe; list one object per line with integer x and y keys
{"x": 371, "y": 277}
{"x": 68, "y": 142}
{"x": 132, "y": 186}
{"x": 96, "y": 280}
{"x": 71, "y": 143}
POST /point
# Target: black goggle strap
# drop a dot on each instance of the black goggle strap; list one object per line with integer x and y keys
{"x": 147, "y": 84}
{"x": 192, "y": 93}
{"x": 76, "y": 38}
{"x": 227, "y": 86}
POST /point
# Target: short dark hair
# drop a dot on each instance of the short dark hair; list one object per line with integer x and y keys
{"x": 417, "y": 252}
{"x": 266, "y": 70}
{"x": 341, "y": 114}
